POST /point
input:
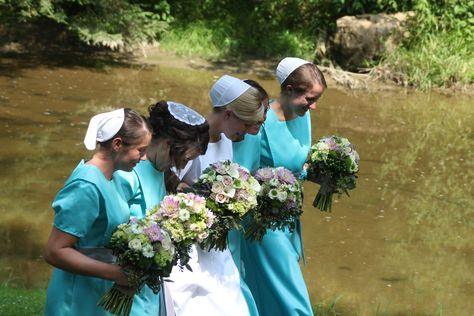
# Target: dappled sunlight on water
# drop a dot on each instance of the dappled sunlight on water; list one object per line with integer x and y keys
{"x": 402, "y": 243}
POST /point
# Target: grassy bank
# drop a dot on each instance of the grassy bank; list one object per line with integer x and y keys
{"x": 443, "y": 60}
{"x": 20, "y": 301}
{"x": 217, "y": 40}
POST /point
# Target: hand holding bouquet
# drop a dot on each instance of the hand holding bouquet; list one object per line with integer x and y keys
{"x": 279, "y": 202}
{"x": 333, "y": 164}
{"x": 186, "y": 218}
{"x": 146, "y": 254}
{"x": 230, "y": 193}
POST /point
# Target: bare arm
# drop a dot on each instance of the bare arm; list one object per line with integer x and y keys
{"x": 60, "y": 252}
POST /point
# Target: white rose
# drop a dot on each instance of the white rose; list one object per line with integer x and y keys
{"x": 135, "y": 244}
{"x": 282, "y": 195}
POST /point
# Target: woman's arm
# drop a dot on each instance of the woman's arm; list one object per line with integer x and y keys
{"x": 60, "y": 252}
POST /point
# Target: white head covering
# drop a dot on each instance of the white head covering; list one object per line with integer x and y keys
{"x": 287, "y": 65}
{"x": 103, "y": 126}
{"x": 226, "y": 90}
{"x": 184, "y": 114}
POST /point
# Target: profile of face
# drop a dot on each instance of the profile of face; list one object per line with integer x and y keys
{"x": 128, "y": 156}
{"x": 160, "y": 155}
{"x": 302, "y": 102}
{"x": 233, "y": 127}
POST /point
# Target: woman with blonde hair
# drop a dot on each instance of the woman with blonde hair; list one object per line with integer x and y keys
{"x": 215, "y": 287}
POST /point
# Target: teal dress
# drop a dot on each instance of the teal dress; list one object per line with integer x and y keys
{"x": 143, "y": 188}
{"x": 247, "y": 152}
{"x": 88, "y": 207}
{"x": 271, "y": 267}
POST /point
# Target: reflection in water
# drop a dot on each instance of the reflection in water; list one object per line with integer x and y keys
{"x": 403, "y": 242}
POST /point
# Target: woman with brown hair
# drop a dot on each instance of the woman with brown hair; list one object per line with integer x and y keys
{"x": 179, "y": 134}
{"x": 87, "y": 210}
{"x": 271, "y": 266}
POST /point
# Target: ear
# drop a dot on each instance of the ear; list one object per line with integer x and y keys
{"x": 117, "y": 144}
{"x": 227, "y": 113}
{"x": 289, "y": 89}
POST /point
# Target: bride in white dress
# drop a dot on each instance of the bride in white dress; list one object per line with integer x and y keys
{"x": 214, "y": 287}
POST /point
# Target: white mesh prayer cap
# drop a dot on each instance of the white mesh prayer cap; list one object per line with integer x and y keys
{"x": 184, "y": 114}
{"x": 226, "y": 90}
{"x": 287, "y": 65}
{"x": 103, "y": 126}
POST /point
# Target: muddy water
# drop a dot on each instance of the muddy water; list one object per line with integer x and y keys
{"x": 402, "y": 244}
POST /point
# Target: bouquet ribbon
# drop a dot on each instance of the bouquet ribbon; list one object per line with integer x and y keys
{"x": 99, "y": 253}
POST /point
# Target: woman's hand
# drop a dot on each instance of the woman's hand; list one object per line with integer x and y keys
{"x": 119, "y": 276}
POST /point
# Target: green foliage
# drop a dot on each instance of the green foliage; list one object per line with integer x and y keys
{"x": 440, "y": 49}
{"x": 111, "y": 23}
{"x": 208, "y": 40}
{"x": 445, "y": 59}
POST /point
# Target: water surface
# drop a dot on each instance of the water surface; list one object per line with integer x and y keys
{"x": 402, "y": 243}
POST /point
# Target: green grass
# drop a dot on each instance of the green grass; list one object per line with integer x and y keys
{"x": 215, "y": 40}
{"x": 437, "y": 60}
{"x": 20, "y": 301}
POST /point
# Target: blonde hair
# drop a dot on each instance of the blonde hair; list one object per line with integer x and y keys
{"x": 248, "y": 106}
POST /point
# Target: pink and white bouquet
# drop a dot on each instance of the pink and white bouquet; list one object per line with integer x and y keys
{"x": 334, "y": 164}
{"x": 146, "y": 254}
{"x": 279, "y": 202}
{"x": 187, "y": 220}
{"x": 147, "y": 249}
{"x": 230, "y": 191}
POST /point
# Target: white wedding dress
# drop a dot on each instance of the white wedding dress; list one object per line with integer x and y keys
{"x": 213, "y": 287}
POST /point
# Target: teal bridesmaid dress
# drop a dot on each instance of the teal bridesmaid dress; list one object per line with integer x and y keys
{"x": 247, "y": 152}
{"x": 271, "y": 267}
{"x": 143, "y": 188}
{"x": 88, "y": 207}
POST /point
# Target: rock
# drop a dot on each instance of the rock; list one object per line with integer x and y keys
{"x": 367, "y": 37}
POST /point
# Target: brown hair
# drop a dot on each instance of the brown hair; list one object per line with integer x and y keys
{"x": 135, "y": 126}
{"x": 303, "y": 77}
{"x": 183, "y": 136}
{"x": 263, "y": 93}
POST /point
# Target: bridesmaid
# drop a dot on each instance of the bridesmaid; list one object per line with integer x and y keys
{"x": 179, "y": 134}
{"x": 271, "y": 266}
{"x": 87, "y": 209}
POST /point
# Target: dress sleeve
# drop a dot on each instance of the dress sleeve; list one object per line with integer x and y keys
{"x": 76, "y": 208}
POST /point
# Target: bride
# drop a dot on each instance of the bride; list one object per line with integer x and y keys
{"x": 214, "y": 287}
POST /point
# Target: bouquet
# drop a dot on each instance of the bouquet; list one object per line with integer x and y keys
{"x": 230, "y": 193}
{"x": 186, "y": 218}
{"x": 146, "y": 254}
{"x": 279, "y": 202}
{"x": 147, "y": 249}
{"x": 333, "y": 164}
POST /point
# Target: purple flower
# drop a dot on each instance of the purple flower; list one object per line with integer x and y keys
{"x": 153, "y": 233}
{"x": 285, "y": 175}
{"x": 264, "y": 174}
{"x": 133, "y": 220}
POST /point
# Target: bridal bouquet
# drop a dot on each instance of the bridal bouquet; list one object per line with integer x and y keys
{"x": 146, "y": 254}
{"x": 230, "y": 193}
{"x": 186, "y": 218}
{"x": 279, "y": 202}
{"x": 334, "y": 164}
